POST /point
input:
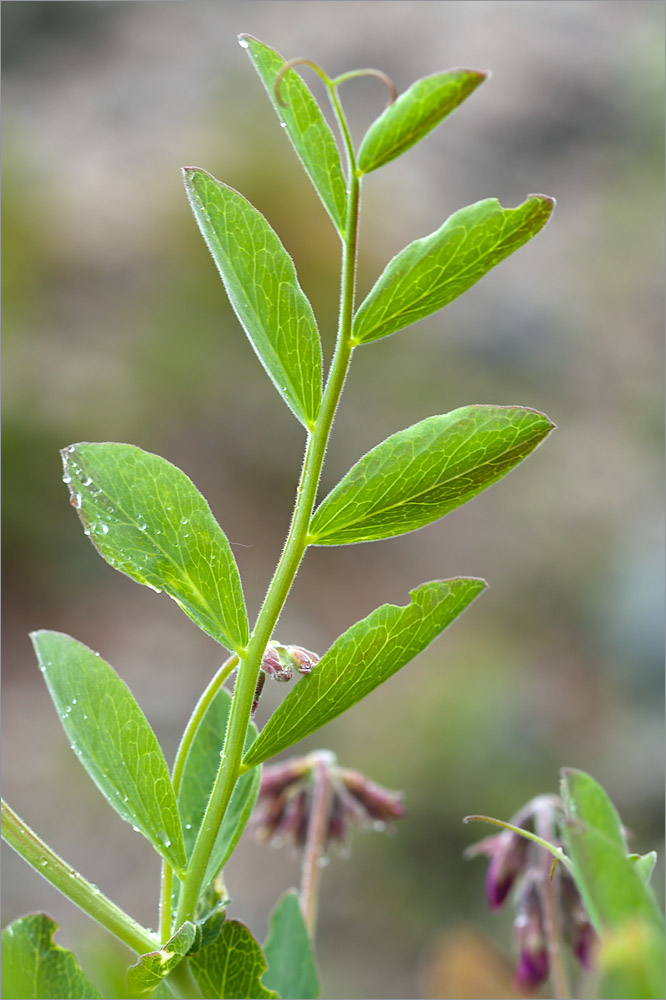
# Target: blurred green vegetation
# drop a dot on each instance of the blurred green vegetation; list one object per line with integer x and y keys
{"x": 117, "y": 328}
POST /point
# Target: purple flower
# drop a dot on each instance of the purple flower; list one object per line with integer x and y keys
{"x": 530, "y": 935}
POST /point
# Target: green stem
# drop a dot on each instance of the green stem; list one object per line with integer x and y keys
{"x": 81, "y": 892}
{"x": 213, "y": 687}
{"x": 294, "y": 549}
{"x": 528, "y": 835}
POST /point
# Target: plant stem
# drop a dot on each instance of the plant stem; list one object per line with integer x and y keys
{"x": 283, "y": 578}
{"x": 315, "y": 842}
{"x": 179, "y": 763}
{"x": 68, "y": 881}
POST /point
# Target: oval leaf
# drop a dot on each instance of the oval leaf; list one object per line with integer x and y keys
{"x": 34, "y": 967}
{"x": 414, "y": 114}
{"x": 292, "y": 970}
{"x": 232, "y": 966}
{"x": 306, "y": 126}
{"x": 360, "y": 660}
{"x": 262, "y": 286}
{"x": 197, "y": 779}
{"x": 148, "y": 520}
{"x": 425, "y": 471}
{"x": 431, "y": 272}
{"x": 112, "y": 739}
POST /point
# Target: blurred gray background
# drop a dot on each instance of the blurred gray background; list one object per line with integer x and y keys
{"x": 116, "y": 327}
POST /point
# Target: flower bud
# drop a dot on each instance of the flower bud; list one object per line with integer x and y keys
{"x": 379, "y": 804}
{"x": 530, "y": 935}
{"x": 576, "y": 925}
{"x": 303, "y": 659}
{"x": 507, "y": 859}
{"x": 274, "y": 664}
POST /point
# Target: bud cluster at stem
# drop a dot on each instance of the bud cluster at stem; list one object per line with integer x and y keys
{"x": 287, "y": 793}
{"x": 521, "y": 865}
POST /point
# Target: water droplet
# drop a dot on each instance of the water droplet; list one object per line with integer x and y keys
{"x": 243, "y": 42}
{"x": 188, "y": 826}
{"x": 283, "y": 124}
{"x": 136, "y": 829}
{"x": 104, "y": 528}
{"x": 43, "y": 862}
{"x": 66, "y": 478}
{"x": 86, "y": 531}
{"x": 76, "y": 500}
{"x": 70, "y": 450}
{"x": 73, "y": 701}
{"x": 87, "y": 481}
{"x": 142, "y": 526}
{"x": 184, "y": 520}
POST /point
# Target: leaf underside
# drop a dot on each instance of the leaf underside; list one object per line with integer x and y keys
{"x": 146, "y": 974}
{"x": 232, "y": 966}
{"x": 260, "y": 279}
{"x": 414, "y": 114}
{"x": 431, "y": 272}
{"x": 34, "y": 967}
{"x": 360, "y": 660}
{"x": 112, "y": 739}
{"x": 292, "y": 971}
{"x": 148, "y": 520}
{"x": 420, "y": 474}
{"x": 308, "y": 130}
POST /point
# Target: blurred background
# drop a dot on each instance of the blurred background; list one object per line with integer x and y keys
{"x": 116, "y": 327}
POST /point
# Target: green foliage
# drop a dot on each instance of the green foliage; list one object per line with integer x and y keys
{"x": 621, "y": 905}
{"x": 292, "y": 971}
{"x": 35, "y": 968}
{"x": 415, "y": 113}
{"x": 306, "y": 126}
{"x": 435, "y": 270}
{"x": 197, "y": 779}
{"x": 417, "y": 475}
{"x": 360, "y": 660}
{"x": 232, "y": 966}
{"x": 262, "y": 286}
{"x": 113, "y": 740}
{"x": 153, "y": 967}
{"x": 148, "y": 520}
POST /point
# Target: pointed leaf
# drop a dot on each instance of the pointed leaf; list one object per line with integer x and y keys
{"x": 112, "y": 739}
{"x": 630, "y": 963}
{"x": 360, "y": 660}
{"x": 414, "y": 114}
{"x": 199, "y": 773}
{"x": 148, "y": 520}
{"x": 585, "y": 800}
{"x": 431, "y": 272}
{"x": 306, "y": 126}
{"x": 232, "y": 966}
{"x": 292, "y": 971}
{"x": 261, "y": 282}
{"x": 419, "y": 474}
{"x": 147, "y": 974}
{"x": 34, "y": 967}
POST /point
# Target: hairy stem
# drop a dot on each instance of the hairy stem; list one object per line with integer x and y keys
{"x": 292, "y": 554}
{"x": 81, "y": 892}
{"x": 214, "y": 686}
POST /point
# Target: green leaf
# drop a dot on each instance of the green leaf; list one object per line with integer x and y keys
{"x": 585, "y": 800}
{"x": 292, "y": 971}
{"x": 199, "y": 773}
{"x": 260, "y": 280}
{"x": 146, "y": 974}
{"x": 414, "y": 114}
{"x": 148, "y": 520}
{"x": 416, "y": 476}
{"x": 631, "y": 963}
{"x": 35, "y": 968}
{"x": 612, "y": 889}
{"x": 231, "y": 966}
{"x": 644, "y": 864}
{"x": 431, "y": 272}
{"x": 306, "y": 126}
{"x": 112, "y": 739}
{"x": 360, "y": 660}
